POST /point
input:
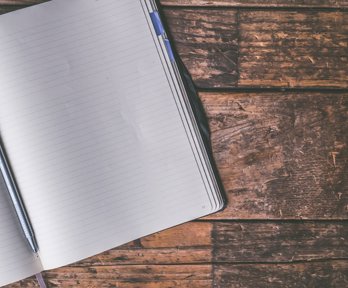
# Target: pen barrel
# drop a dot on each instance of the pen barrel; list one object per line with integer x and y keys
{"x": 22, "y": 217}
{"x": 15, "y": 198}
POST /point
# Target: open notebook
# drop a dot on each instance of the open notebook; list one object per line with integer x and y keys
{"x": 100, "y": 132}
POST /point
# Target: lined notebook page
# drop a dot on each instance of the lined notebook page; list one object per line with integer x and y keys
{"x": 91, "y": 128}
{"x": 16, "y": 259}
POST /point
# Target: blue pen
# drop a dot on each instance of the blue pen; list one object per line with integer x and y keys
{"x": 159, "y": 28}
{"x": 17, "y": 201}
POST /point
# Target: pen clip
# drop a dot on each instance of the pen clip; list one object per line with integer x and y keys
{"x": 160, "y": 31}
{"x": 157, "y": 23}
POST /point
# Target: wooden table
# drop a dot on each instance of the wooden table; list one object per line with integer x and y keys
{"x": 273, "y": 78}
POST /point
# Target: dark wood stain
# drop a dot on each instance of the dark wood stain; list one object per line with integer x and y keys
{"x": 273, "y": 48}
{"x": 281, "y": 155}
{"x": 257, "y": 4}
{"x": 279, "y": 242}
{"x": 293, "y": 49}
{"x": 331, "y": 274}
{"x": 207, "y": 42}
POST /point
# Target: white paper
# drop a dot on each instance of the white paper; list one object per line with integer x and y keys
{"x": 93, "y": 133}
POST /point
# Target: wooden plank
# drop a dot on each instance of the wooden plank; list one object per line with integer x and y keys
{"x": 131, "y": 276}
{"x": 131, "y": 273}
{"x": 167, "y": 256}
{"x": 191, "y": 234}
{"x": 262, "y": 4}
{"x": 26, "y": 283}
{"x": 281, "y": 156}
{"x": 331, "y": 274}
{"x": 262, "y": 48}
{"x": 207, "y": 41}
{"x": 277, "y": 242}
{"x": 293, "y": 49}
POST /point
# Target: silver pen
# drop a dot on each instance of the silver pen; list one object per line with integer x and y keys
{"x": 16, "y": 200}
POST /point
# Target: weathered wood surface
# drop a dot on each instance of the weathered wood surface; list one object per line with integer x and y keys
{"x": 293, "y": 49}
{"x": 281, "y": 155}
{"x": 232, "y": 48}
{"x": 279, "y": 242}
{"x": 129, "y": 276}
{"x": 331, "y": 274}
{"x": 196, "y": 276}
{"x": 256, "y": 3}
{"x": 207, "y": 41}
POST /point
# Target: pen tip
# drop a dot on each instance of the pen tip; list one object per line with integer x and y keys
{"x": 33, "y": 246}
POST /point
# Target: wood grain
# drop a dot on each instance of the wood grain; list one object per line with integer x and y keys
{"x": 293, "y": 49}
{"x": 160, "y": 256}
{"x": 264, "y": 3}
{"x": 281, "y": 156}
{"x": 130, "y": 276}
{"x": 207, "y": 41}
{"x": 331, "y": 274}
{"x": 193, "y": 234}
{"x": 262, "y": 48}
{"x": 27, "y": 283}
{"x": 243, "y": 242}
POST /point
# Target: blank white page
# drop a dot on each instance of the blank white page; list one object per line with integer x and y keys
{"x": 91, "y": 127}
{"x": 16, "y": 259}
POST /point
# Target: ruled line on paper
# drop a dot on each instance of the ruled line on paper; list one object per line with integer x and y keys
{"x": 102, "y": 151}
